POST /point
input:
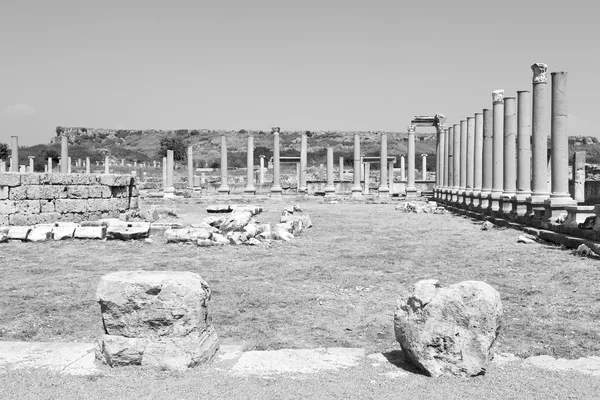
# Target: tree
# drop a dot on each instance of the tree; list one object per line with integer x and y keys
{"x": 4, "y": 152}
{"x": 173, "y": 143}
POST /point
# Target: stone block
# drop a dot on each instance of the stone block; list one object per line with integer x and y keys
{"x": 28, "y": 206}
{"x": 98, "y": 205}
{"x": 10, "y": 179}
{"x": 7, "y": 207}
{"x": 3, "y": 237}
{"x": 67, "y": 179}
{"x": 73, "y": 217}
{"x": 47, "y": 206}
{"x": 30, "y": 179}
{"x": 124, "y": 233}
{"x": 40, "y": 233}
{"x": 90, "y": 232}
{"x": 134, "y": 203}
{"x": 78, "y": 192}
{"x": 63, "y": 232}
{"x": 46, "y": 192}
{"x": 4, "y": 192}
{"x": 119, "y": 191}
{"x": 114, "y": 180}
{"x": 99, "y": 191}
{"x": 449, "y": 330}
{"x": 4, "y": 220}
{"x": 218, "y": 208}
{"x": 33, "y": 219}
{"x": 18, "y": 232}
{"x": 17, "y": 193}
{"x": 186, "y": 235}
{"x": 236, "y": 221}
{"x": 152, "y": 304}
{"x": 71, "y": 205}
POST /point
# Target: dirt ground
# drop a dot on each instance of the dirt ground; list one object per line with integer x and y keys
{"x": 335, "y": 285}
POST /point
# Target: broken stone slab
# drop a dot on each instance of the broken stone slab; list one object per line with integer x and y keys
{"x": 282, "y": 232}
{"x": 526, "y": 238}
{"x": 214, "y": 221}
{"x": 219, "y": 239}
{"x": 40, "y": 233}
{"x": 18, "y": 232}
{"x": 125, "y": 233}
{"x": 63, "y": 232}
{"x": 487, "y": 225}
{"x": 236, "y": 238}
{"x": 158, "y": 227}
{"x": 152, "y": 304}
{"x": 255, "y": 210}
{"x": 218, "y": 208}
{"x": 583, "y": 250}
{"x": 250, "y": 230}
{"x": 305, "y": 218}
{"x": 236, "y": 221}
{"x": 253, "y": 242}
{"x": 3, "y": 237}
{"x": 162, "y": 353}
{"x": 186, "y": 235}
{"x": 209, "y": 243}
{"x": 449, "y": 330}
{"x": 90, "y": 232}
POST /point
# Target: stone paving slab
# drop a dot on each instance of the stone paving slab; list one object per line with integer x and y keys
{"x": 68, "y": 358}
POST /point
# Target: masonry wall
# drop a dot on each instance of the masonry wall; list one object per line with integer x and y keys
{"x": 27, "y": 199}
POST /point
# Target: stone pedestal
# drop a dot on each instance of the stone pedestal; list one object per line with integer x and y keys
{"x": 356, "y": 189}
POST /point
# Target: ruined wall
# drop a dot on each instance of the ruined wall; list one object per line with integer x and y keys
{"x": 27, "y": 199}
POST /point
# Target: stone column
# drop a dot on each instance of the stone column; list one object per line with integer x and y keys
{"x": 402, "y": 169}
{"x": 122, "y": 162}
{"x": 424, "y": 166}
{"x": 78, "y": 163}
{"x": 341, "y": 169}
{"x": 456, "y": 163}
{"x": 261, "y": 175}
{"x": 450, "y": 161}
{"x": 477, "y": 160}
{"x": 384, "y": 190}
{"x": 523, "y": 152}
{"x": 391, "y": 177}
{"x": 190, "y": 166}
{"x": 559, "y": 141}
{"x": 510, "y": 154}
{"x": 367, "y": 177}
{"x": 463, "y": 161}
{"x": 30, "y": 169}
{"x": 170, "y": 189}
{"x": 470, "y": 161}
{"x": 69, "y": 165}
{"x": 64, "y": 153}
{"x": 578, "y": 166}
{"x": 356, "y": 189}
{"x": 411, "y": 189}
{"x": 441, "y": 172}
{"x": 303, "y": 163}
{"x": 276, "y": 189}
{"x": 498, "y": 157}
{"x": 330, "y": 188}
{"x": 539, "y": 138}
{"x": 106, "y": 165}
{"x": 223, "y": 187}
{"x": 88, "y": 166}
{"x": 49, "y": 165}
{"x": 164, "y": 168}
{"x": 250, "y": 189}
{"x": 487, "y": 159}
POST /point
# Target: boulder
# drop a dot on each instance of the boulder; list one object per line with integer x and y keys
{"x": 449, "y": 330}
{"x": 253, "y": 242}
{"x": 124, "y": 233}
{"x": 214, "y": 221}
{"x": 151, "y": 304}
{"x": 186, "y": 235}
{"x": 250, "y": 230}
{"x": 236, "y": 237}
{"x": 236, "y": 221}
{"x": 282, "y": 232}
{"x": 306, "y": 222}
{"x": 40, "y": 233}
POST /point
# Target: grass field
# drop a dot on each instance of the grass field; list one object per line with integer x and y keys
{"x": 335, "y": 285}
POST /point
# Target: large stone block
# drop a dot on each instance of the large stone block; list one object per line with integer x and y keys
{"x": 33, "y": 219}
{"x": 4, "y": 220}
{"x": 78, "y": 192}
{"x": 63, "y": 232}
{"x": 236, "y": 221}
{"x": 30, "y": 179}
{"x": 17, "y": 193}
{"x": 186, "y": 235}
{"x": 71, "y": 205}
{"x": 127, "y": 233}
{"x": 28, "y": 206}
{"x": 449, "y": 330}
{"x": 4, "y": 192}
{"x": 46, "y": 192}
{"x": 115, "y": 180}
{"x": 99, "y": 205}
{"x": 119, "y": 191}
{"x": 40, "y": 233}
{"x": 47, "y": 206}
{"x": 67, "y": 179}
{"x": 18, "y": 232}
{"x": 90, "y": 232}
{"x": 152, "y": 304}
{"x": 99, "y": 191}
{"x": 10, "y": 179}
{"x": 7, "y": 207}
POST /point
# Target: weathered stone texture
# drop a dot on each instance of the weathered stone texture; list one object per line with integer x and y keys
{"x": 10, "y": 179}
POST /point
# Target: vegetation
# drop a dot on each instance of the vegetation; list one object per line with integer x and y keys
{"x": 4, "y": 151}
{"x": 174, "y": 143}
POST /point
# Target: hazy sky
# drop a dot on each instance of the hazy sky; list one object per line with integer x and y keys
{"x": 318, "y": 65}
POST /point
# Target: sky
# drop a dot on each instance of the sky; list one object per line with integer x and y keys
{"x": 310, "y": 64}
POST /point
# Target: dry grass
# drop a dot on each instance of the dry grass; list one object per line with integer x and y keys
{"x": 335, "y": 285}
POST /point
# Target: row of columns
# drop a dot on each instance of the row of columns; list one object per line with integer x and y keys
{"x": 487, "y": 162}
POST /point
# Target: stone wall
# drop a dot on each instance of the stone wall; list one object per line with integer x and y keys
{"x": 32, "y": 198}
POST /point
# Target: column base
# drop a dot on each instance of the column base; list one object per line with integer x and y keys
{"x": 475, "y": 200}
{"x": 249, "y": 191}
{"x": 468, "y": 199}
{"x": 383, "y": 192}
{"x": 557, "y": 206}
{"x": 506, "y": 203}
{"x": 495, "y": 201}
{"x": 535, "y": 205}
{"x": 484, "y": 202}
{"x": 357, "y": 193}
{"x": 519, "y": 207}
{"x": 411, "y": 193}
{"x": 169, "y": 193}
{"x": 577, "y": 215}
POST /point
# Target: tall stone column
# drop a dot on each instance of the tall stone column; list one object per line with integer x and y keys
{"x": 223, "y": 187}
{"x": 463, "y": 161}
{"x": 49, "y": 165}
{"x": 88, "y": 165}
{"x": 64, "y": 154}
{"x": 478, "y": 160}
{"x": 276, "y": 189}
{"x": 402, "y": 169}
{"x": 447, "y": 162}
{"x": 384, "y": 190}
{"x": 69, "y": 165}
{"x": 440, "y": 174}
{"x": 539, "y": 138}
{"x": 329, "y": 187}
{"x": 456, "y": 158}
{"x": 391, "y": 177}
{"x": 523, "y": 152}
{"x": 367, "y": 177}
{"x": 470, "y": 165}
{"x": 261, "y": 174}
{"x": 487, "y": 160}
{"x": 341, "y": 169}
{"x": 450, "y": 169}
{"x": 303, "y": 163}
{"x": 190, "y": 166}
{"x": 559, "y": 141}
{"x": 424, "y": 166}
{"x": 106, "y": 165}
{"x": 170, "y": 189}
{"x": 411, "y": 189}
{"x": 30, "y": 163}
{"x": 164, "y": 171}
{"x": 510, "y": 154}
{"x": 250, "y": 189}
{"x": 356, "y": 189}
{"x": 498, "y": 156}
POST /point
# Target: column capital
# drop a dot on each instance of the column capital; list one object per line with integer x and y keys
{"x": 498, "y": 96}
{"x": 540, "y": 71}
{"x": 411, "y": 128}
{"x": 441, "y": 127}
{"x": 30, "y": 156}
{"x": 275, "y": 129}
{"x": 424, "y": 155}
